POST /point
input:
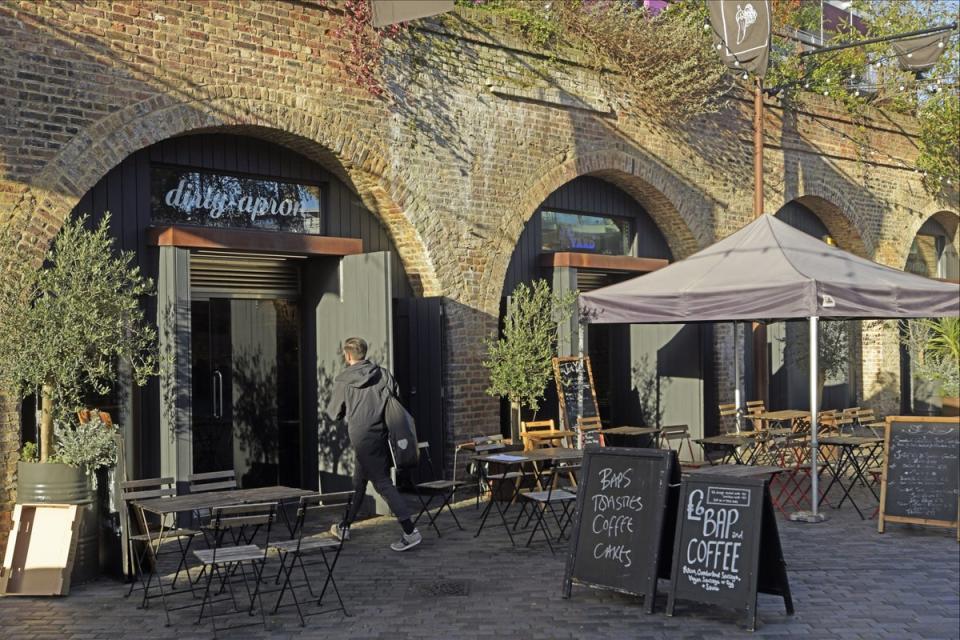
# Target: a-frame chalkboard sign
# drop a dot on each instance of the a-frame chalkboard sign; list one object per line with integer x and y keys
{"x": 921, "y": 472}
{"x": 727, "y": 545}
{"x": 578, "y": 398}
{"x": 622, "y": 534}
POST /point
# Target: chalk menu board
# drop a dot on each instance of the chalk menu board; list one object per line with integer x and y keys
{"x": 921, "y": 474}
{"x": 727, "y": 545}
{"x": 620, "y": 538}
{"x": 574, "y": 378}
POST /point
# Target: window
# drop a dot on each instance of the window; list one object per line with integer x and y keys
{"x": 584, "y": 232}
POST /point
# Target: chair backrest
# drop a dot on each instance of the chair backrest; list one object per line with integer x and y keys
{"x": 679, "y": 433}
{"x": 541, "y": 428}
{"x": 728, "y": 416}
{"x": 752, "y": 410}
{"x": 316, "y": 505}
{"x": 238, "y": 518}
{"x": 147, "y": 488}
{"x": 212, "y": 481}
{"x": 486, "y": 444}
{"x": 588, "y": 425}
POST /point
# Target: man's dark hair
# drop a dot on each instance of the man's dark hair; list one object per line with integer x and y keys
{"x": 356, "y": 348}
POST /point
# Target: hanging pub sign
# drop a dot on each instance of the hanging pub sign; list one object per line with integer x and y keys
{"x": 188, "y": 196}
{"x": 741, "y": 33}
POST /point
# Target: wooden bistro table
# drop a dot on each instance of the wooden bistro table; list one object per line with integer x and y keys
{"x": 168, "y": 508}
{"x": 792, "y": 419}
{"x": 518, "y": 460}
{"x": 628, "y": 436}
{"x": 730, "y": 444}
{"x": 847, "y": 461}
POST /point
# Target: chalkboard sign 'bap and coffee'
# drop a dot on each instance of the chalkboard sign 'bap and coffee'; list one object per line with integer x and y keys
{"x": 621, "y": 537}
{"x": 578, "y": 399}
{"x": 727, "y": 545}
{"x": 921, "y": 473}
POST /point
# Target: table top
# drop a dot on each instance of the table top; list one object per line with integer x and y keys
{"x": 735, "y": 470}
{"x": 785, "y": 414}
{"x": 214, "y": 499}
{"x": 549, "y": 435}
{"x": 630, "y": 431}
{"x": 729, "y": 439}
{"x": 849, "y": 441}
{"x": 533, "y": 455}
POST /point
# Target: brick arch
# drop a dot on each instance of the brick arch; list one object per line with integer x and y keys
{"x": 330, "y": 139}
{"x": 682, "y": 213}
{"x": 948, "y": 219}
{"x": 835, "y": 215}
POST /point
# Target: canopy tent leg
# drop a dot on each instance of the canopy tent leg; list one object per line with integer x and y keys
{"x": 736, "y": 375}
{"x": 814, "y": 514}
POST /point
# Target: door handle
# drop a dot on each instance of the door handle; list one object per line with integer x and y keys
{"x": 217, "y": 394}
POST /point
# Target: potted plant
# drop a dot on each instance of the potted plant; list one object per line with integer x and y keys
{"x": 520, "y": 360}
{"x": 64, "y": 330}
{"x": 934, "y": 349}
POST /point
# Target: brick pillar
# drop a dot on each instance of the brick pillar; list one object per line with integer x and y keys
{"x": 9, "y": 445}
{"x": 880, "y": 346}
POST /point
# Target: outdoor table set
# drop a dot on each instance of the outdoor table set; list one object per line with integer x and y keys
{"x": 529, "y": 466}
{"x": 854, "y": 453}
{"x": 241, "y": 515}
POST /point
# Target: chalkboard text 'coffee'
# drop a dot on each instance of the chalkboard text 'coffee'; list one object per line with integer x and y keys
{"x": 727, "y": 545}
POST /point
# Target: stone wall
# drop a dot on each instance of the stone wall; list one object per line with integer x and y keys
{"x": 475, "y": 132}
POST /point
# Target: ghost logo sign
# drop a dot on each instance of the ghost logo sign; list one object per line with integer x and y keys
{"x": 727, "y": 545}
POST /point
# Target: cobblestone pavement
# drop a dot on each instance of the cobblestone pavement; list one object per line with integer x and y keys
{"x": 848, "y": 581}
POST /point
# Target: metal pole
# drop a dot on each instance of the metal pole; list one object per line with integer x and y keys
{"x": 758, "y": 149}
{"x": 761, "y": 375}
{"x": 860, "y": 43}
{"x": 814, "y": 410}
{"x": 736, "y": 375}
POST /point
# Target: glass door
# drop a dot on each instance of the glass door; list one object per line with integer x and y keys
{"x": 246, "y": 389}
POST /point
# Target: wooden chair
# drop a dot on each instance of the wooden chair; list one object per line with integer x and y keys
{"x": 226, "y": 561}
{"x": 866, "y": 422}
{"x": 323, "y": 509}
{"x": 212, "y": 481}
{"x": 680, "y": 434}
{"x": 753, "y": 410}
{"x": 728, "y": 417}
{"x": 436, "y": 487}
{"x": 543, "y": 433}
{"x": 156, "y": 534}
{"x": 590, "y": 431}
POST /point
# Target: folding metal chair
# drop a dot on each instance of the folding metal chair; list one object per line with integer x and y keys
{"x": 226, "y": 560}
{"x": 292, "y": 552}
{"x": 679, "y": 433}
{"x": 210, "y": 481}
{"x": 543, "y": 501}
{"x": 436, "y": 488}
{"x": 156, "y": 534}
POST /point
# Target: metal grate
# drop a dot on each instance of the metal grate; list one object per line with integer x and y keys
{"x": 230, "y": 274}
{"x": 442, "y": 588}
{"x": 590, "y": 279}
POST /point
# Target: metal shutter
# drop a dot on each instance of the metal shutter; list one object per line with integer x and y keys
{"x": 232, "y": 274}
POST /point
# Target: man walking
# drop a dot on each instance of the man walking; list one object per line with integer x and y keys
{"x": 359, "y": 396}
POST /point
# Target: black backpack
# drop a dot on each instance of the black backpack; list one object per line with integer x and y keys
{"x": 402, "y": 430}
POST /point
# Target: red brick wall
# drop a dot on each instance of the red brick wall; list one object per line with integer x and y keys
{"x": 475, "y": 132}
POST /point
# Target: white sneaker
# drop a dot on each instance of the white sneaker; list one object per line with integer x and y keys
{"x": 407, "y": 541}
{"x": 340, "y": 532}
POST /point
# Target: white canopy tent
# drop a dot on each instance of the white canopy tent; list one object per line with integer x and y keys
{"x": 769, "y": 271}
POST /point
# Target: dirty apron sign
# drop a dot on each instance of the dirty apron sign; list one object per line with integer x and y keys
{"x": 187, "y": 196}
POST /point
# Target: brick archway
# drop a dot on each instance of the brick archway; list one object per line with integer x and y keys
{"x": 324, "y": 138}
{"x": 837, "y": 216}
{"x": 675, "y": 206}
{"x": 948, "y": 219}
